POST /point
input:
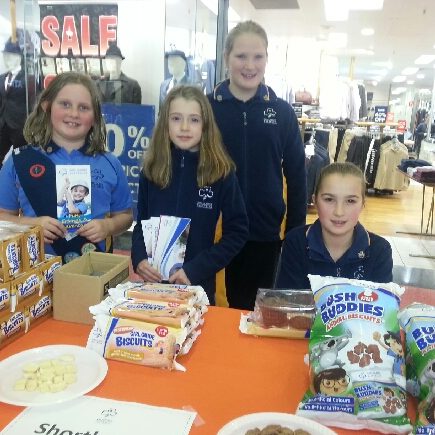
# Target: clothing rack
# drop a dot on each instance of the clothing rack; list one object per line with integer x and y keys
{"x": 304, "y": 121}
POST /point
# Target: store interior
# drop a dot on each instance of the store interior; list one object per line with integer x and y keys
{"x": 315, "y": 48}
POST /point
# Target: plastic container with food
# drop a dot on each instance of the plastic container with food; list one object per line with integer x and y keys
{"x": 280, "y": 313}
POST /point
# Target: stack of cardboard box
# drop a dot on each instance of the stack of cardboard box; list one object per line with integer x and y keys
{"x": 26, "y": 280}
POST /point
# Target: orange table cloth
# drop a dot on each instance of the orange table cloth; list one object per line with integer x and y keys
{"x": 229, "y": 374}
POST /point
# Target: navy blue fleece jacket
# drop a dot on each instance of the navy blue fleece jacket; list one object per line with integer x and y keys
{"x": 304, "y": 252}
{"x": 183, "y": 198}
{"x": 262, "y": 136}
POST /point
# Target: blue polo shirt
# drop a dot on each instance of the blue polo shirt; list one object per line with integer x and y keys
{"x": 304, "y": 252}
{"x": 110, "y": 191}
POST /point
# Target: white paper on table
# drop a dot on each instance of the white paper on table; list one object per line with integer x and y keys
{"x": 103, "y": 417}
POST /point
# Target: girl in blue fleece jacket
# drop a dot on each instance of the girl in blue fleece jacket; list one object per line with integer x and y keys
{"x": 187, "y": 173}
{"x": 336, "y": 244}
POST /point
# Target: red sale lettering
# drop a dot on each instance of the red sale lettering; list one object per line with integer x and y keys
{"x": 51, "y": 45}
{"x": 70, "y": 40}
{"x": 73, "y": 42}
{"x": 108, "y": 25}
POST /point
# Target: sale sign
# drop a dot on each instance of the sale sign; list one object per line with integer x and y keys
{"x": 74, "y": 37}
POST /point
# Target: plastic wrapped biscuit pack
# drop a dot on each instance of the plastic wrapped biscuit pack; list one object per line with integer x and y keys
{"x": 148, "y": 324}
{"x": 357, "y": 363}
{"x": 418, "y": 322}
{"x": 280, "y": 313}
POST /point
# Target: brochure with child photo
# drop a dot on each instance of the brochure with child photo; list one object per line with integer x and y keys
{"x": 73, "y": 186}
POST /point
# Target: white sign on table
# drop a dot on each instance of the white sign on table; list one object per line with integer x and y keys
{"x": 96, "y": 416}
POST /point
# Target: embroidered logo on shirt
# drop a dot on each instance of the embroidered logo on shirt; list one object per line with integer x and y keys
{"x": 269, "y": 116}
{"x": 37, "y": 170}
{"x": 205, "y": 193}
{"x": 361, "y": 254}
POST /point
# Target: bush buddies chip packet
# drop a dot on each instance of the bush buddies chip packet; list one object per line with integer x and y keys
{"x": 357, "y": 377}
{"x": 418, "y": 322}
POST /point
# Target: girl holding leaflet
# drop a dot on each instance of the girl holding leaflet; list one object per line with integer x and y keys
{"x": 66, "y": 128}
{"x": 187, "y": 173}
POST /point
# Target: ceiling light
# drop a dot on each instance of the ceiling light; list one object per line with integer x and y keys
{"x": 409, "y": 71}
{"x": 336, "y": 10}
{"x": 367, "y": 31}
{"x": 374, "y": 83}
{"x": 365, "y": 5}
{"x": 410, "y": 82}
{"x": 424, "y": 59}
{"x": 420, "y": 76}
{"x": 398, "y": 79}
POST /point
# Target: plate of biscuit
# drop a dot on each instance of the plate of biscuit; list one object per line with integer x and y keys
{"x": 263, "y": 423}
{"x": 50, "y": 374}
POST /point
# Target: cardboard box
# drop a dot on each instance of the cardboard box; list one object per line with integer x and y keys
{"x": 24, "y": 286}
{"x": 10, "y": 255}
{"x": 47, "y": 268}
{"x": 28, "y": 313}
{"x": 85, "y": 281}
{"x": 5, "y": 296}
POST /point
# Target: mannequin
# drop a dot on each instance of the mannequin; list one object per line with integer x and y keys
{"x": 13, "y": 107}
{"x": 177, "y": 67}
{"x": 115, "y": 86}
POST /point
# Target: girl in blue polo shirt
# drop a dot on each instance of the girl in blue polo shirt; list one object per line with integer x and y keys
{"x": 187, "y": 173}
{"x": 66, "y": 127}
{"x": 336, "y": 244}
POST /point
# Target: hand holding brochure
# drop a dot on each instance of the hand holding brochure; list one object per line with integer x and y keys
{"x": 165, "y": 241}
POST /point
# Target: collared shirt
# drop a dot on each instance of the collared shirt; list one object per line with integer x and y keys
{"x": 304, "y": 252}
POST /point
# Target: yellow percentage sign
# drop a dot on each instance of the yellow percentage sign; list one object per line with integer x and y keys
{"x": 138, "y": 136}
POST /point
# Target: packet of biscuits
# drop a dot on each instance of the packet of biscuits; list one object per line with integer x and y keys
{"x": 280, "y": 313}
{"x": 161, "y": 312}
{"x": 182, "y": 294}
{"x": 418, "y": 320}
{"x": 136, "y": 342}
{"x": 356, "y": 357}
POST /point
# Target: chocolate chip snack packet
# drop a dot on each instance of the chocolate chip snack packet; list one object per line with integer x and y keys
{"x": 357, "y": 366}
{"x": 418, "y": 322}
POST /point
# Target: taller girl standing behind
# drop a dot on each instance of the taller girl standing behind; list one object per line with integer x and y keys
{"x": 261, "y": 134}
{"x": 187, "y": 173}
{"x": 66, "y": 128}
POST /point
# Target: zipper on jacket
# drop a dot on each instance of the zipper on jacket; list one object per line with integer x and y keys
{"x": 245, "y": 121}
{"x": 182, "y": 161}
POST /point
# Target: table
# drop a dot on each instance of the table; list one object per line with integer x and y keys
{"x": 228, "y": 374}
{"x": 430, "y": 215}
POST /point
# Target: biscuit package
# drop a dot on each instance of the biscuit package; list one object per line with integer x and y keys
{"x": 182, "y": 294}
{"x": 418, "y": 322}
{"x": 357, "y": 365}
{"x": 136, "y": 342}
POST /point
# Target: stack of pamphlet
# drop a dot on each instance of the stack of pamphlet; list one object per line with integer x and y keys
{"x": 165, "y": 241}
